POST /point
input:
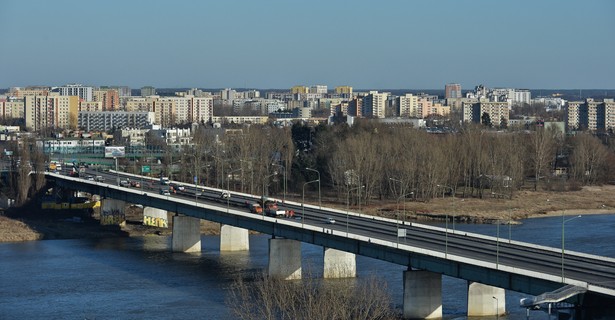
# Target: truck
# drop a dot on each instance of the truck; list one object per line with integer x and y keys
{"x": 285, "y": 213}
{"x": 270, "y": 206}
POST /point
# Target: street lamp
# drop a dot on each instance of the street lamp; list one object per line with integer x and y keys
{"x": 284, "y": 174}
{"x": 319, "y": 202}
{"x": 497, "y": 307}
{"x": 563, "y": 242}
{"x": 303, "y": 200}
{"x": 348, "y": 205}
{"x": 117, "y": 179}
{"x": 228, "y": 190}
{"x": 264, "y": 191}
{"x": 251, "y": 175}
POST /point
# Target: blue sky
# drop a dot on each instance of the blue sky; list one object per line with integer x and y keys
{"x": 397, "y": 44}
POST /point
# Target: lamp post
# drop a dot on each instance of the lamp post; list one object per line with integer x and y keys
{"x": 228, "y": 191}
{"x": 397, "y": 210}
{"x": 497, "y": 308}
{"x": 303, "y": 201}
{"x": 348, "y": 206}
{"x": 497, "y": 244}
{"x": 251, "y": 175}
{"x": 284, "y": 174}
{"x": 563, "y": 241}
{"x": 319, "y": 201}
{"x": 117, "y": 179}
{"x": 264, "y": 191}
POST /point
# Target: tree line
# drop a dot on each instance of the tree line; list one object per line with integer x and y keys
{"x": 374, "y": 161}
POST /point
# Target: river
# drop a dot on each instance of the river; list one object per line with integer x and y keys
{"x": 138, "y": 278}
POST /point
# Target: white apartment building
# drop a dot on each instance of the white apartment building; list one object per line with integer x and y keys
{"x": 319, "y": 89}
{"x": 374, "y": 104}
{"x": 79, "y": 90}
{"x": 407, "y": 106}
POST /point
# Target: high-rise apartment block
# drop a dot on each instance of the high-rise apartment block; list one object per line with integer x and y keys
{"x": 452, "y": 90}
{"x": 591, "y": 115}
{"x": 299, "y": 90}
{"x": 498, "y": 112}
{"x": 79, "y": 90}
{"x": 374, "y": 104}
{"x": 407, "y": 106}
{"x": 109, "y": 99}
{"x": 148, "y": 91}
{"x": 319, "y": 89}
{"x": 51, "y": 111}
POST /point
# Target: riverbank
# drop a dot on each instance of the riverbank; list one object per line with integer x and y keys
{"x": 30, "y": 223}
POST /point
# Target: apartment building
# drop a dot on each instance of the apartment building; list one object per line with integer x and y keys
{"x": 51, "y": 111}
{"x": 407, "y": 106}
{"x": 374, "y": 104}
{"x": 85, "y": 93}
{"x": 12, "y": 108}
{"x": 319, "y": 89}
{"x": 109, "y": 120}
{"x": 19, "y": 92}
{"x": 91, "y": 106}
{"x": 148, "y": 91}
{"x": 109, "y": 99}
{"x": 590, "y": 115}
{"x": 498, "y": 112}
{"x": 452, "y": 91}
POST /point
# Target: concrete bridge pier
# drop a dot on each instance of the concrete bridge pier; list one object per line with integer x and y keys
{"x": 285, "y": 259}
{"x": 422, "y": 295}
{"x": 339, "y": 264}
{"x": 233, "y": 238}
{"x": 186, "y": 234}
{"x": 484, "y": 300}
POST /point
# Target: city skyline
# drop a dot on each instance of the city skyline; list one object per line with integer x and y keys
{"x": 279, "y": 44}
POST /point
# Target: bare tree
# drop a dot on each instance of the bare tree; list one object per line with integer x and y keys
{"x": 271, "y": 298}
{"x": 588, "y": 159}
{"x": 541, "y": 151}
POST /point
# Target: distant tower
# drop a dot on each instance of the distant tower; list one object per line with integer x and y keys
{"x": 452, "y": 90}
{"x": 148, "y": 91}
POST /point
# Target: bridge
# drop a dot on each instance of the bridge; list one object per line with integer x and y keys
{"x": 490, "y": 265}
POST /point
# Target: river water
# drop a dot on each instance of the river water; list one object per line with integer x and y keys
{"x": 139, "y": 278}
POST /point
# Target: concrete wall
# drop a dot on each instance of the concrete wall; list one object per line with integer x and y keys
{"x": 339, "y": 264}
{"x": 422, "y": 295}
{"x": 484, "y": 300}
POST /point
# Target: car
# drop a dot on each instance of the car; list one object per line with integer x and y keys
{"x": 180, "y": 188}
{"x": 99, "y": 178}
{"x": 124, "y": 183}
{"x": 330, "y": 220}
{"x": 165, "y": 192}
{"x": 225, "y": 195}
{"x": 135, "y": 184}
{"x": 89, "y": 178}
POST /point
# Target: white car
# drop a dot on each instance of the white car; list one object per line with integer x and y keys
{"x": 330, "y": 220}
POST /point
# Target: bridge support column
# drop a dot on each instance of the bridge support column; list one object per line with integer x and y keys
{"x": 186, "y": 234}
{"x": 285, "y": 259}
{"x": 484, "y": 300}
{"x": 339, "y": 264}
{"x": 422, "y": 295}
{"x": 233, "y": 238}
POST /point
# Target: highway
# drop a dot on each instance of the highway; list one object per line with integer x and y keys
{"x": 598, "y": 271}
